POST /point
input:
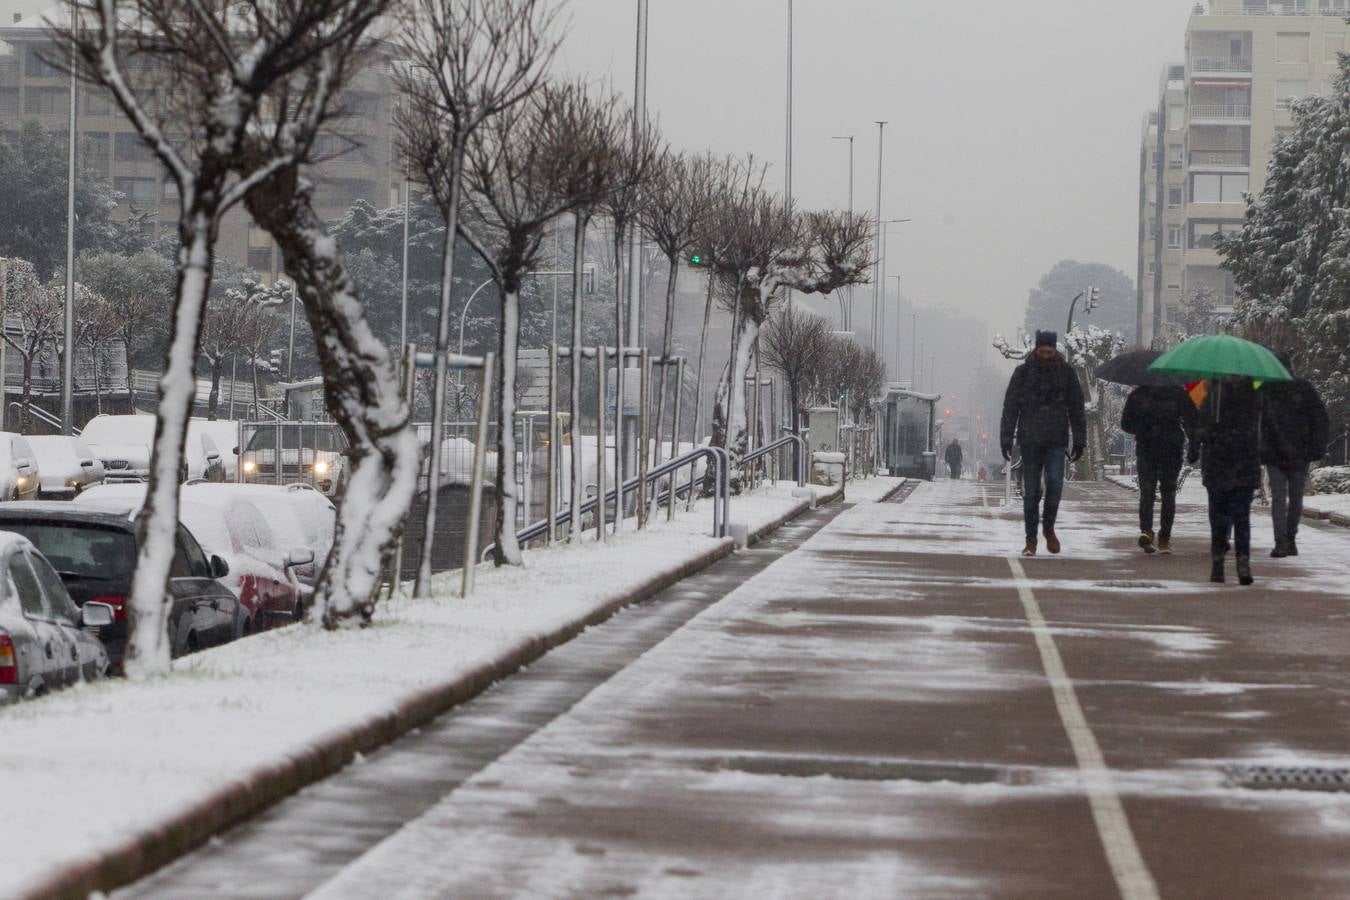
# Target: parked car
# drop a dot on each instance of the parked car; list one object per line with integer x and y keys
{"x": 299, "y": 517}
{"x": 66, "y": 464}
{"x": 19, "y": 474}
{"x": 224, "y": 437}
{"x": 313, "y": 453}
{"x": 123, "y": 444}
{"x": 93, "y": 549}
{"x": 44, "y": 641}
{"x": 261, "y": 573}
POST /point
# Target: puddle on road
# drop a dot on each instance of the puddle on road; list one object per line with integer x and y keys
{"x": 871, "y": 769}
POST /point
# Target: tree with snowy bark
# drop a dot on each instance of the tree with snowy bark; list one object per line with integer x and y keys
{"x": 1291, "y": 260}
{"x": 765, "y": 249}
{"x": 138, "y": 290}
{"x": 39, "y": 311}
{"x": 238, "y": 324}
{"x": 196, "y": 80}
{"x": 469, "y": 61}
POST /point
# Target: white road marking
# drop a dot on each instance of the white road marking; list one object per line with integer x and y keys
{"x": 1122, "y": 852}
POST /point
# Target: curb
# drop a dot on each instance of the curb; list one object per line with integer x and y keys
{"x": 1341, "y": 520}
{"x": 137, "y": 856}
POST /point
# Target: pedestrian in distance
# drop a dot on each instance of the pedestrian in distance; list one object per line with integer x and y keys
{"x": 1162, "y": 420}
{"x": 1294, "y": 433}
{"x": 953, "y": 457}
{"x": 1042, "y": 407}
{"x": 1230, "y": 444}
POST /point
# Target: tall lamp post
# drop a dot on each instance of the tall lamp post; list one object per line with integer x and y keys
{"x": 846, "y": 306}
{"x": 68, "y": 339}
{"x": 879, "y": 314}
{"x": 897, "y": 325}
{"x": 876, "y": 283}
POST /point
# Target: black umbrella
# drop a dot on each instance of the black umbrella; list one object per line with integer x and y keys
{"x": 1132, "y": 369}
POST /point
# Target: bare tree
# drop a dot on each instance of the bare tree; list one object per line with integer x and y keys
{"x": 95, "y": 325}
{"x": 679, "y": 196}
{"x": 795, "y": 343}
{"x": 767, "y": 248}
{"x": 39, "y": 312}
{"x": 470, "y": 60}
{"x": 518, "y": 167}
{"x": 138, "y": 290}
{"x": 233, "y": 325}
{"x": 196, "y": 79}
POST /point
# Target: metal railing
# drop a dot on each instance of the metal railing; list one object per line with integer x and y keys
{"x": 1220, "y": 64}
{"x": 719, "y": 459}
{"x": 1233, "y": 158}
{"x": 37, "y": 412}
{"x": 785, "y": 441}
{"x": 1275, "y": 8}
{"x": 1221, "y": 111}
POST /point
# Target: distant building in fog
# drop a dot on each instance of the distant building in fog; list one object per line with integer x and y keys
{"x": 1208, "y": 142}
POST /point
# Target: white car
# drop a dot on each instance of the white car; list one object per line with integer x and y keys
{"x": 123, "y": 444}
{"x": 297, "y": 515}
{"x": 223, "y": 436}
{"x": 19, "y": 474}
{"x": 66, "y": 464}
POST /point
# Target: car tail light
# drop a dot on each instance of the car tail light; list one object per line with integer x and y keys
{"x": 118, "y": 602}
{"x": 9, "y": 666}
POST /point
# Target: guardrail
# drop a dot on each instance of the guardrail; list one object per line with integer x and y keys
{"x": 782, "y": 442}
{"x": 719, "y": 459}
{"x": 37, "y": 412}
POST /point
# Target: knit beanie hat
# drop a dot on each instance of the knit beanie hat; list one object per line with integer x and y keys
{"x": 1046, "y": 339}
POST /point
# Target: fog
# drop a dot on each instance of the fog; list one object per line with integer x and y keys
{"x": 1014, "y": 128}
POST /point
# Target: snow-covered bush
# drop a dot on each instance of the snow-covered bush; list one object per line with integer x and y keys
{"x": 1329, "y": 480}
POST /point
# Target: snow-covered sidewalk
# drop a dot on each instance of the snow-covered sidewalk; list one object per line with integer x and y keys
{"x": 99, "y": 773}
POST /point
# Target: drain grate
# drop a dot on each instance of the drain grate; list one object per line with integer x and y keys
{"x": 862, "y": 769}
{"x": 1131, "y": 585}
{"x": 1298, "y": 778}
{"x": 901, "y": 495}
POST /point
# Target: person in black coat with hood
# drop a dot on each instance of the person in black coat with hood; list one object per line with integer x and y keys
{"x": 953, "y": 457}
{"x": 1162, "y": 420}
{"x": 1043, "y": 405}
{"x": 1230, "y": 444}
{"x": 1294, "y": 433}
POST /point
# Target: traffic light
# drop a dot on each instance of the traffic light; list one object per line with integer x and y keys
{"x": 949, "y": 411}
{"x": 1094, "y": 298}
{"x": 697, "y": 260}
{"x": 277, "y": 358}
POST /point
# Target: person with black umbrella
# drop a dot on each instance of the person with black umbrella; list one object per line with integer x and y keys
{"x": 1162, "y": 419}
{"x": 1294, "y": 433}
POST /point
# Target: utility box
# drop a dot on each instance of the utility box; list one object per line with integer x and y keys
{"x": 822, "y": 423}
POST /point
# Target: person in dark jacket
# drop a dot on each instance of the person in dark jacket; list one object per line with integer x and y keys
{"x": 1294, "y": 433}
{"x": 953, "y": 457}
{"x": 1162, "y": 420}
{"x": 1043, "y": 404}
{"x": 1230, "y": 443}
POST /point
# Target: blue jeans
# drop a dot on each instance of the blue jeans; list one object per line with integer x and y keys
{"x": 1037, "y": 463}
{"x": 1230, "y": 513}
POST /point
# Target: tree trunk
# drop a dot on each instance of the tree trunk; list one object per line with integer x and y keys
{"x": 729, "y": 421}
{"x": 26, "y": 406}
{"x": 507, "y": 549}
{"x": 574, "y": 398}
{"x": 667, "y": 334}
{"x": 702, "y": 353}
{"x": 422, "y": 587}
{"x": 131, "y": 383}
{"x": 213, "y": 398}
{"x": 623, "y": 466}
{"x": 364, "y": 394}
{"x": 148, "y": 642}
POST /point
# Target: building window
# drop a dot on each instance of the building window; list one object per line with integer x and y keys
{"x": 1174, "y": 237}
{"x": 96, "y": 155}
{"x": 1176, "y": 116}
{"x": 1152, "y": 267}
{"x": 1292, "y": 46}
{"x": 1208, "y": 188}
{"x": 96, "y": 103}
{"x": 9, "y": 101}
{"x": 1287, "y": 90}
{"x": 1176, "y": 156}
{"x": 169, "y": 191}
{"x": 1204, "y": 235}
{"x": 1174, "y": 197}
{"x": 36, "y": 66}
{"x": 46, "y": 101}
{"x": 142, "y": 193}
{"x": 130, "y": 148}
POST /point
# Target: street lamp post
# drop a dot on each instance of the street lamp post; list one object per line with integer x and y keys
{"x": 403, "y": 302}
{"x": 68, "y": 341}
{"x": 897, "y": 325}
{"x": 846, "y": 306}
{"x": 876, "y": 284}
{"x": 290, "y": 345}
{"x": 879, "y": 315}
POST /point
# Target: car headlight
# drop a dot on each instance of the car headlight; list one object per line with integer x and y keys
{"x": 321, "y": 468}
{"x": 250, "y": 467}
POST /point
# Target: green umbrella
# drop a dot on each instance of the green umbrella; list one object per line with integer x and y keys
{"x": 1216, "y": 355}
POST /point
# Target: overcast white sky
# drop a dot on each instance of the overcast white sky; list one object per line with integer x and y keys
{"x": 1014, "y": 127}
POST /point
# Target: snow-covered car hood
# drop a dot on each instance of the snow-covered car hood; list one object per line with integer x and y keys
{"x": 136, "y": 456}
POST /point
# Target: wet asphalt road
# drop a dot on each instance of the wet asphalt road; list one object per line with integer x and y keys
{"x": 891, "y": 710}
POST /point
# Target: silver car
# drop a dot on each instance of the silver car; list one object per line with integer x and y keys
{"x": 44, "y": 644}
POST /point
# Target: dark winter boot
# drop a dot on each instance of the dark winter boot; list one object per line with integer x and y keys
{"x": 1146, "y": 542}
{"x": 1244, "y": 569}
{"x": 1051, "y": 541}
{"x": 1030, "y": 548}
{"x": 1164, "y": 545}
{"x": 1291, "y": 548}
{"x": 1281, "y": 549}
{"x": 1216, "y": 567}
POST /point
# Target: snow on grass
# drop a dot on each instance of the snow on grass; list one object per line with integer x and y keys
{"x": 97, "y": 763}
{"x": 1330, "y": 503}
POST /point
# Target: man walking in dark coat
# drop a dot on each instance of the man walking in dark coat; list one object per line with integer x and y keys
{"x": 1162, "y": 420}
{"x": 1230, "y": 441}
{"x": 953, "y": 457}
{"x": 1294, "y": 432}
{"x": 1043, "y": 404}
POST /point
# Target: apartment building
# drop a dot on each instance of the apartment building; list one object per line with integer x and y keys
{"x": 1207, "y": 144}
{"x": 358, "y": 158}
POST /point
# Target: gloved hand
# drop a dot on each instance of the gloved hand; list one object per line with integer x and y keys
{"x": 1007, "y": 452}
{"x": 1193, "y": 456}
{"x": 1077, "y": 453}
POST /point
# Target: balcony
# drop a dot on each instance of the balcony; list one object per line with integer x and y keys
{"x": 1227, "y": 66}
{"x": 1278, "y": 8}
{"x": 1220, "y": 159}
{"x": 1221, "y": 113}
